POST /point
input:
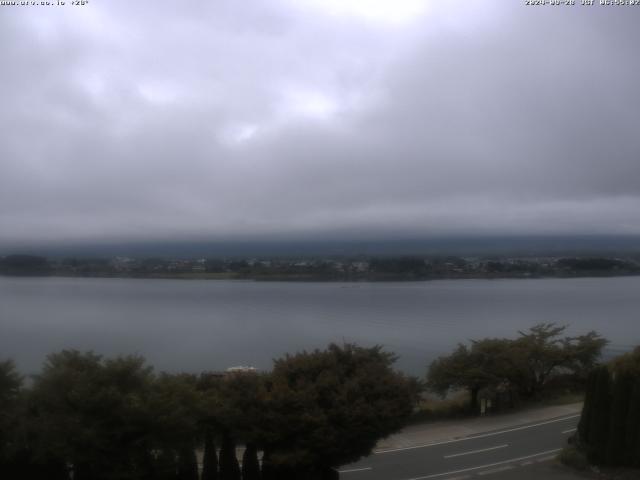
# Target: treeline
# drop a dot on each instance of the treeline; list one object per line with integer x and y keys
{"x": 609, "y": 429}
{"x": 92, "y": 418}
{"x": 501, "y": 372}
{"x": 24, "y": 265}
{"x": 322, "y": 269}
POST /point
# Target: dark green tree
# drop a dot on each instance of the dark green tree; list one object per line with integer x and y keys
{"x": 250, "y": 464}
{"x": 187, "y": 464}
{"x": 240, "y": 411}
{"x": 210, "y": 421}
{"x": 586, "y": 420}
{"x": 240, "y": 406}
{"x": 628, "y": 367}
{"x": 24, "y": 265}
{"x": 327, "y": 408}
{"x": 177, "y": 406}
{"x": 10, "y": 413}
{"x": 267, "y": 471}
{"x": 229, "y": 467}
{"x": 609, "y": 429}
{"x": 93, "y": 414}
{"x": 544, "y": 353}
{"x": 632, "y": 457}
{"x": 485, "y": 364}
{"x": 210, "y": 457}
{"x": 523, "y": 365}
{"x": 599, "y": 425}
{"x": 617, "y": 435}
{"x": 167, "y": 465}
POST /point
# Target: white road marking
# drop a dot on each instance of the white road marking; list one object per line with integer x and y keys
{"x": 546, "y": 459}
{"x": 476, "y": 451}
{"x": 436, "y": 475}
{"x": 484, "y": 435}
{"x": 570, "y": 430}
{"x": 497, "y": 470}
{"x": 353, "y": 470}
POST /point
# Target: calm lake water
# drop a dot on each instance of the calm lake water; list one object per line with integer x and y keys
{"x": 209, "y": 325}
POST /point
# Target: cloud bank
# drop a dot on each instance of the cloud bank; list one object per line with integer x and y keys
{"x": 176, "y": 120}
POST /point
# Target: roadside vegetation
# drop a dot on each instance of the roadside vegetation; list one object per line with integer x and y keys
{"x": 87, "y": 417}
{"x": 502, "y": 373}
{"x": 92, "y": 418}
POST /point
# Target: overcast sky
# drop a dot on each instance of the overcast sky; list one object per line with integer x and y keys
{"x": 220, "y": 119}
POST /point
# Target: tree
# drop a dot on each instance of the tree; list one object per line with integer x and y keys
{"x": 167, "y": 465}
{"x": 632, "y": 456}
{"x": 617, "y": 435}
{"x": 627, "y": 367}
{"x": 10, "y": 385}
{"x": 599, "y": 421}
{"x": 240, "y": 404}
{"x": 487, "y": 363}
{"x": 609, "y": 429}
{"x": 404, "y": 266}
{"x": 525, "y": 364}
{"x": 545, "y": 353}
{"x": 327, "y": 408}
{"x": 229, "y": 467}
{"x": 187, "y": 464}
{"x": 210, "y": 457}
{"x": 235, "y": 407}
{"x": 250, "y": 464}
{"x": 177, "y": 407}
{"x": 24, "y": 265}
{"x": 92, "y": 413}
{"x": 585, "y": 422}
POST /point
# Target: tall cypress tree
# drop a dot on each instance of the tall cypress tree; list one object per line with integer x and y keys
{"x": 28, "y": 467}
{"x": 250, "y": 464}
{"x": 187, "y": 464}
{"x": 267, "y": 468}
{"x": 210, "y": 458}
{"x": 146, "y": 466}
{"x": 587, "y": 409}
{"x": 229, "y": 468}
{"x": 616, "y": 444}
{"x": 632, "y": 439}
{"x": 166, "y": 465}
{"x": 599, "y": 424}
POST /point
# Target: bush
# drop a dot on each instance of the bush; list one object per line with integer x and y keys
{"x": 431, "y": 408}
{"x": 574, "y": 458}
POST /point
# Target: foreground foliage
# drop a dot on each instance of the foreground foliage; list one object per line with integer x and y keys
{"x": 94, "y": 418}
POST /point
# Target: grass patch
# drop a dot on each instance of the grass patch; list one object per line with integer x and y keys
{"x": 456, "y": 405}
{"x": 562, "y": 399}
{"x": 435, "y": 408}
{"x": 574, "y": 458}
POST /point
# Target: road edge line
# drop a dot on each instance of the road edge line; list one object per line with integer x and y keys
{"x": 504, "y": 462}
{"x": 473, "y": 437}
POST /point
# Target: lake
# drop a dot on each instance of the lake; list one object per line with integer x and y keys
{"x": 196, "y": 325}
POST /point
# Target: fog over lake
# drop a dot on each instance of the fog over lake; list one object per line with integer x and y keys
{"x": 210, "y": 325}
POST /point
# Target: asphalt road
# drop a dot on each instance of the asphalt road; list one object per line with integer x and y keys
{"x": 479, "y": 455}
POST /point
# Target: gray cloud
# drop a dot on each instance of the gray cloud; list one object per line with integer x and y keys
{"x": 218, "y": 119}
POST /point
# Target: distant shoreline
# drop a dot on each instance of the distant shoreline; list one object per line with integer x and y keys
{"x": 318, "y": 278}
{"x": 359, "y": 269}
